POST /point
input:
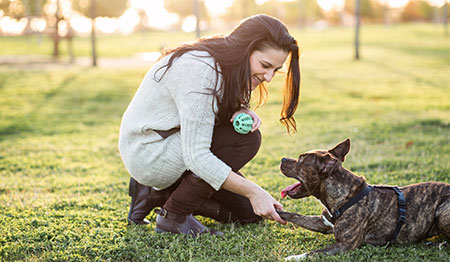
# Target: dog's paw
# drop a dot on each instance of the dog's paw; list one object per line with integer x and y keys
{"x": 296, "y": 257}
{"x": 288, "y": 216}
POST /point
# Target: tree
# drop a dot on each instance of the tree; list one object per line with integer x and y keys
{"x": 97, "y": 8}
{"x": 22, "y": 8}
{"x": 357, "y": 24}
{"x": 185, "y": 8}
{"x": 13, "y": 9}
{"x": 417, "y": 11}
{"x": 33, "y": 7}
{"x": 445, "y": 15}
{"x": 371, "y": 10}
{"x": 241, "y": 9}
{"x": 55, "y": 31}
{"x": 301, "y": 12}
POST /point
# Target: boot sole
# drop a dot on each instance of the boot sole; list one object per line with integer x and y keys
{"x": 160, "y": 231}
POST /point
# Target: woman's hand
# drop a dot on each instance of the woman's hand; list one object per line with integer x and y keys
{"x": 264, "y": 205}
{"x": 262, "y": 202}
{"x": 255, "y": 117}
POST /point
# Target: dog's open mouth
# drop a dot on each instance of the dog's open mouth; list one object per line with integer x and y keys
{"x": 291, "y": 190}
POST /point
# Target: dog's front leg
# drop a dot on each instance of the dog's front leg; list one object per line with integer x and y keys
{"x": 313, "y": 223}
{"x": 349, "y": 235}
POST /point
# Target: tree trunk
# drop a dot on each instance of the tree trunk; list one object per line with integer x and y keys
{"x": 197, "y": 18}
{"x": 93, "y": 15}
{"x": 357, "y": 24}
{"x": 302, "y": 17}
{"x": 69, "y": 37}
{"x": 445, "y": 17}
{"x": 55, "y": 33}
{"x": 244, "y": 9}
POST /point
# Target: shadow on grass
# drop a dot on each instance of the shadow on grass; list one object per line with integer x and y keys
{"x": 28, "y": 123}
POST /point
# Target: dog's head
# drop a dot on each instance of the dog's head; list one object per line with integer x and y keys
{"x": 311, "y": 168}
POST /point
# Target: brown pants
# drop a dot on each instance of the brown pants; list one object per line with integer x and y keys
{"x": 191, "y": 191}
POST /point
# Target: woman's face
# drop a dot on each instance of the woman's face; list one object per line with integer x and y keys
{"x": 265, "y": 63}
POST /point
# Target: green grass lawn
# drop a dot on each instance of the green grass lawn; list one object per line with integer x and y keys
{"x": 63, "y": 187}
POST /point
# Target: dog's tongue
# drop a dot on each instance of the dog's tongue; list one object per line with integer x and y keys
{"x": 289, "y": 188}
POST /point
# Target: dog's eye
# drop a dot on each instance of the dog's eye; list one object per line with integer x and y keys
{"x": 301, "y": 159}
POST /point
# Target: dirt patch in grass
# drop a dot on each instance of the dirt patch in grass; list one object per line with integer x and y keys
{"x": 36, "y": 62}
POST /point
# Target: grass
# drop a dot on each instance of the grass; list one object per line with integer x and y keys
{"x": 63, "y": 187}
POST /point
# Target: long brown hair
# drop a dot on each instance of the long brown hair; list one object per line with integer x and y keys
{"x": 232, "y": 53}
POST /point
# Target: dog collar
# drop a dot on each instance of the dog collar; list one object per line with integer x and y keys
{"x": 336, "y": 214}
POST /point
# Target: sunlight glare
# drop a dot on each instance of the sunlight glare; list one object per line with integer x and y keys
{"x": 11, "y": 26}
{"x": 157, "y": 15}
{"x": 331, "y": 5}
{"x": 81, "y": 24}
{"x": 38, "y": 24}
{"x": 261, "y": 2}
{"x": 395, "y": 3}
{"x": 63, "y": 28}
{"x": 128, "y": 21}
{"x": 436, "y": 3}
{"x": 218, "y": 7}
{"x": 106, "y": 25}
{"x": 189, "y": 24}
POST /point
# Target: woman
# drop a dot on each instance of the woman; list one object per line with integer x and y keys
{"x": 176, "y": 137}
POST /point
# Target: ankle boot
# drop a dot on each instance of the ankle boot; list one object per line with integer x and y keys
{"x": 143, "y": 200}
{"x": 168, "y": 222}
{"x": 187, "y": 197}
{"x": 214, "y": 209}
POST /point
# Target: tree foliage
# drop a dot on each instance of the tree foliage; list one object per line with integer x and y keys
{"x": 241, "y": 9}
{"x": 417, "y": 10}
{"x": 302, "y": 12}
{"x": 185, "y": 8}
{"x": 12, "y": 8}
{"x": 33, "y": 7}
{"x": 22, "y": 8}
{"x": 369, "y": 9}
{"x": 108, "y": 8}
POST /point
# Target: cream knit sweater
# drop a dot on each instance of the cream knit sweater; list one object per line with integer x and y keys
{"x": 180, "y": 99}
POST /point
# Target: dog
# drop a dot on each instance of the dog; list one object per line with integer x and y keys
{"x": 358, "y": 213}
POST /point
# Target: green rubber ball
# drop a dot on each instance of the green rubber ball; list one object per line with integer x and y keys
{"x": 242, "y": 123}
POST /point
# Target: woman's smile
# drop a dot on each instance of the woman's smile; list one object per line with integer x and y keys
{"x": 256, "y": 81}
{"x": 265, "y": 63}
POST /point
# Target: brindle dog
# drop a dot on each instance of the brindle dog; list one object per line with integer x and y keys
{"x": 374, "y": 218}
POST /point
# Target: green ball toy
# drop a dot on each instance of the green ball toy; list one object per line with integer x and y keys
{"x": 242, "y": 123}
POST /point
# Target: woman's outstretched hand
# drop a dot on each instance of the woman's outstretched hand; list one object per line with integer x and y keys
{"x": 262, "y": 202}
{"x": 264, "y": 205}
{"x": 255, "y": 117}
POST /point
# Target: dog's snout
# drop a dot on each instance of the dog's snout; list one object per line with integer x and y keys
{"x": 283, "y": 159}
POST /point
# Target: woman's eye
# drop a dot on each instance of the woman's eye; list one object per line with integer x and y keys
{"x": 264, "y": 66}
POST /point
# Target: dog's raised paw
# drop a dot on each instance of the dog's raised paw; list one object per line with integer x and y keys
{"x": 296, "y": 257}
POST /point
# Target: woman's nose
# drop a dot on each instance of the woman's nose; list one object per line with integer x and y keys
{"x": 268, "y": 76}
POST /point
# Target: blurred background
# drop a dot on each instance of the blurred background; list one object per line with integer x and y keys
{"x": 46, "y": 25}
{"x": 63, "y": 186}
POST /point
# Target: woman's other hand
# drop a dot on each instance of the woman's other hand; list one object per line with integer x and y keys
{"x": 256, "y": 120}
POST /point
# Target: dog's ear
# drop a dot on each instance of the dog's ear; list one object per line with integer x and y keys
{"x": 341, "y": 149}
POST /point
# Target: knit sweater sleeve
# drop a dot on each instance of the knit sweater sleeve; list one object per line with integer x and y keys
{"x": 191, "y": 80}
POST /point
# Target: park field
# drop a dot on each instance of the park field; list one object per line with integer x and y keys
{"x": 63, "y": 187}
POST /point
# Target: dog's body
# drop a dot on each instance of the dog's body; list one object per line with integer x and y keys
{"x": 374, "y": 218}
